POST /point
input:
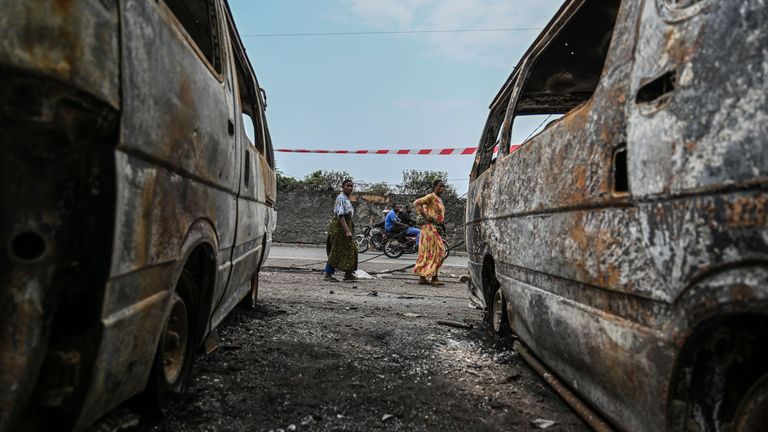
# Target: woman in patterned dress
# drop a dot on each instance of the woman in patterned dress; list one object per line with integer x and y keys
{"x": 431, "y": 246}
{"x": 341, "y": 249}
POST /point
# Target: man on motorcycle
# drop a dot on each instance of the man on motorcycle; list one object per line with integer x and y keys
{"x": 393, "y": 224}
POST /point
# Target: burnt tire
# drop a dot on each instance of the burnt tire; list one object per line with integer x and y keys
{"x": 392, "y": 248}
{"x": 362, "y": 243}
{"x": 497, "y": 312}
{"x": 175, "y": 353}
{"x": 752, "y": 413}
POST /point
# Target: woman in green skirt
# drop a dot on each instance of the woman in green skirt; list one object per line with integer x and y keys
{"x": 341, "y": 249}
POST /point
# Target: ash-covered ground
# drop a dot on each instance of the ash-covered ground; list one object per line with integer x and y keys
{"x": 368, "y": 355}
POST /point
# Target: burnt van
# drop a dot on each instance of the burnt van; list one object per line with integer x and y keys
{"x": 625, "y": 244}
{"x": 138, "y": 184}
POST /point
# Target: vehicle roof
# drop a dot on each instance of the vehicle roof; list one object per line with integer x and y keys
{"x": 558, "y": 21}
{"x": 237, "y": 43}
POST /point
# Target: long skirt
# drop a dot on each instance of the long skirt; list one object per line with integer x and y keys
{"x": 431, "y": 252}
{"x": 342, "y": 251}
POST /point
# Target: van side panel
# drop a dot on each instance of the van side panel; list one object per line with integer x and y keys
{"x": 59, "y": 103}
{"x": 254, "y": 225}
{"x": 180, "y": 115}
{"x": 176, "y": 166}
{"x": 583, "y": 290}
{"x": 708, "y": 131}
{"x": 595, "y": 278}
{"x": 74, "y": 42}
{"x": 549, "y": 207}
{"x": 697, "y": 149}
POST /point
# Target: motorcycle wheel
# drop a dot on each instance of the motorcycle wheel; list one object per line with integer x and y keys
{"x": 362, "y": 243}
{"x": 392, "y": 248}
{"x": 376, "y": 242}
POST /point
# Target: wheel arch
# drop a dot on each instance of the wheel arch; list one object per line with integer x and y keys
{"x": 723, "y": 346}
{"x": 489, "y": 282}
{"x": 198, "y": 257}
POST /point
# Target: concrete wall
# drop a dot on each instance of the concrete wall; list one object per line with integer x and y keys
{"x": 302, "y": 216}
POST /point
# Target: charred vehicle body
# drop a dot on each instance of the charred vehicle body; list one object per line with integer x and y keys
{"x": 137, "y": 199}
{"x": 626, "y": 244}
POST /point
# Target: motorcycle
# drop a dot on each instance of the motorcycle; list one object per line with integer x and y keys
{"x": 373, "y": 236}
{"x": 399, "y": 244}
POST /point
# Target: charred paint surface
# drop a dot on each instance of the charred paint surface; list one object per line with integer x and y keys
{"x": 58, "y": 117}
{"x": 605, "y": 285}
{"x": 123, "y": 163}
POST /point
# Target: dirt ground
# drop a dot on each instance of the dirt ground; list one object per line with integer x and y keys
{"x": 368, "y": 355}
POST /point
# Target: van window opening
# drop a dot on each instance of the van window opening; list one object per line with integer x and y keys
{"x": 198, "y": 17}
{"x": 567, "y": 71}
{"x": 620, "y": 171}
{"x": 526, "y": 127}
{"x": 248, "y": 127}
{"x": 270, "y": 151}
{"x": 248, "y": 104}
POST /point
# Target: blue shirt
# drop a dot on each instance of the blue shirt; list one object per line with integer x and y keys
{"x": 389, "y": 221}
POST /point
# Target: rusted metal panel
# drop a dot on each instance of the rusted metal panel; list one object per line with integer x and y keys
{"x": 58, "y": 117}
{"x": 177, "y": 163}
{"x": 124, "y": 162}
{"x": 71, "y": 41}
{"x": 601, "y": 282}
{"x": 709, "y": 130}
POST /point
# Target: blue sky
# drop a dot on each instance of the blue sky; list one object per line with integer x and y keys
{"x": 384, "y": 91}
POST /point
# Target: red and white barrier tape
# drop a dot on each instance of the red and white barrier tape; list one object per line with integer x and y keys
{"x": 421, "y": 152}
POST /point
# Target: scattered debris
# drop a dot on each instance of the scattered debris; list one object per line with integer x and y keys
{"x": 362, "y": 274}
{"x": 386, "y": 417}
{"x": 455, "y": 324}
{"x": 543, "y": 423}
{"x": 464, "y": 278}
{"x": 342, "y": 344}
{"x": 291, "y": 428}
{"x": 504, "y": 357}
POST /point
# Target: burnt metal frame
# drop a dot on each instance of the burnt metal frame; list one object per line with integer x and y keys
{"x": 682, "y": 309}
{"x": 217, "y": 49}
{"x": 507, "y": 98}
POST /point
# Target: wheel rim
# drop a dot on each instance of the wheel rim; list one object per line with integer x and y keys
{"x": 391, "y": 248}
{"x": 752, "y": 414}
{"x": 498, "y": 310}
{"x": 175, "y": 340}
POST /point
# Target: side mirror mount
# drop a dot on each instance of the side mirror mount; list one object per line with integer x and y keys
{"x": 263, "y": 94}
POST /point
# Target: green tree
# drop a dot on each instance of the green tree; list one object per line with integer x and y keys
{"x": 287, "y": 183}
{"x": 380, "y": 188}
{"x": 418, "y": 182}
{"x": 325, "y": 180}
